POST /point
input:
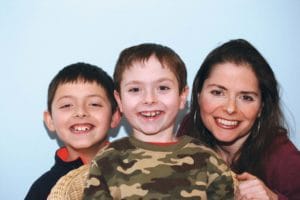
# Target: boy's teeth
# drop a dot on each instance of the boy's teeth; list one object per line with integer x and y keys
{"x": 81, "y": 128}
{"x": 151, "y": 113}
{"x": 227, "y": 122}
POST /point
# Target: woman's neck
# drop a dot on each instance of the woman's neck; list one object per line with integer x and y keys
{"x": 230, "y": 151}
{"x": 227, "y": 153}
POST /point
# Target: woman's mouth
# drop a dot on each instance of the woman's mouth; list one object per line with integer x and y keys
{"x": 227, "y": 123}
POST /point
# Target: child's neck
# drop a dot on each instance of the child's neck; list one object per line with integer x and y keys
{"x": 86, "y": 155}
{"x": 156, "y": 138}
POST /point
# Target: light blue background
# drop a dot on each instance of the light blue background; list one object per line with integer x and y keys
{"x": 38, "y": 38}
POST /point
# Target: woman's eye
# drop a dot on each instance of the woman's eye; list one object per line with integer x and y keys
{"x": 216, "y": 92}
{"x": 247, "y": 98}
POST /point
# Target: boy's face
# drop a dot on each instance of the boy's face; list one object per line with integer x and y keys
{"x": 149, "y": 98}
{"x": 81, "y": 115}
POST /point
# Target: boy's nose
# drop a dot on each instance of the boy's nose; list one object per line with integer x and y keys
{"x": 150, "y": 97}
{"x": 80, "y": 113}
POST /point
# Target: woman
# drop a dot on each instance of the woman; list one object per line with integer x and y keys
{"x": 235, "y": 109}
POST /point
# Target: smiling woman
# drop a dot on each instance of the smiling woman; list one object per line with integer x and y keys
{"x": 235, "y": 109}
{"x": 231, "y": 101}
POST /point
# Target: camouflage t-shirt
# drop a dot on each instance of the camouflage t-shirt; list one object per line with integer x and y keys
{"x": 132, "y": 169}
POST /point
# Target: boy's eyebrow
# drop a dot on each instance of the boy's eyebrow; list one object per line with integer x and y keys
{"x": 132, "y": 82}
{"x": 64, "y": 97}
{"x": 164, "y": 79}
{"x": 139, "y": 82}
{"x": 70, "y": 96}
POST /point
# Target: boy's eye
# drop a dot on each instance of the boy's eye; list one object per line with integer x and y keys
{"x": 162, "y": 87}
{"x": 96, "y": 104}
{"x": 65, "y": 106}
{"x": 135, "y": 89}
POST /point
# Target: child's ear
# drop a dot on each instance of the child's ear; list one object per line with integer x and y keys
{"x": 48, "y": 121}
{"x": 116, "y": 118}
{"x": 118, "y": 99}
{"x": 183, "y": 97}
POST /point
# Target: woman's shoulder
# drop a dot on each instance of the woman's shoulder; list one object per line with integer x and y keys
{"x": 283, "y": 155}
{"x": 282, "y": 146}
{"x": 282, "y": 166}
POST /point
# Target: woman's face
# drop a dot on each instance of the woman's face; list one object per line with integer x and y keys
{"x": 230, "y": 102}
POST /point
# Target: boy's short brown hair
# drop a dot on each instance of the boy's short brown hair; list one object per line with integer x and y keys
{"x": 142, "y": 52}
{"x": 82, "y": 72}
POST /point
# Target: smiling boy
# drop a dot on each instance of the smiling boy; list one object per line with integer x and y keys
{"x": 81, "y": 110}
{"x": 153, "y": 163}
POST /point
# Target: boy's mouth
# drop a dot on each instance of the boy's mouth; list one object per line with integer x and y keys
{"x": 150, "y": 114}
{"x": 80, "y": 128}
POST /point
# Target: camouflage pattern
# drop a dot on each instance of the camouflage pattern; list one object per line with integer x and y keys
{"x": 131, "y": 169}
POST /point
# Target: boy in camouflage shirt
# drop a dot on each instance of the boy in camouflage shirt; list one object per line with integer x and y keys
{"x": 153, "y": 163}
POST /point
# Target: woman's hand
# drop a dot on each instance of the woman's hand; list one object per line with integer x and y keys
{"x": 250, "y": 187}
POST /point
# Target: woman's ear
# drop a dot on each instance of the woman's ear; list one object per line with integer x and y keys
{"x": 48, "y": 121}
{"x": 260, "y": 110}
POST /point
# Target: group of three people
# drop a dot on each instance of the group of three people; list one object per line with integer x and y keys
{"x": 241, "y": 149}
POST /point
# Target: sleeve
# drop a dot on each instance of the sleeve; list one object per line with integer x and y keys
{"x": 42, "y": 186}
{"x": 281, "y": 197}
{"x": 220, "y": 179}
{"x": 96, "y": 185}
{"x": 34, "y": 193}
{"x": 283, "y": 174}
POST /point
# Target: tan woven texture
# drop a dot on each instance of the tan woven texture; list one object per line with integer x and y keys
{"x": 70, "y": 186}
{"x": 235, "y": 181}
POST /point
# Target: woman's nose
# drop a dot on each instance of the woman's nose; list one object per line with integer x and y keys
{"x": 230, "y": 106}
